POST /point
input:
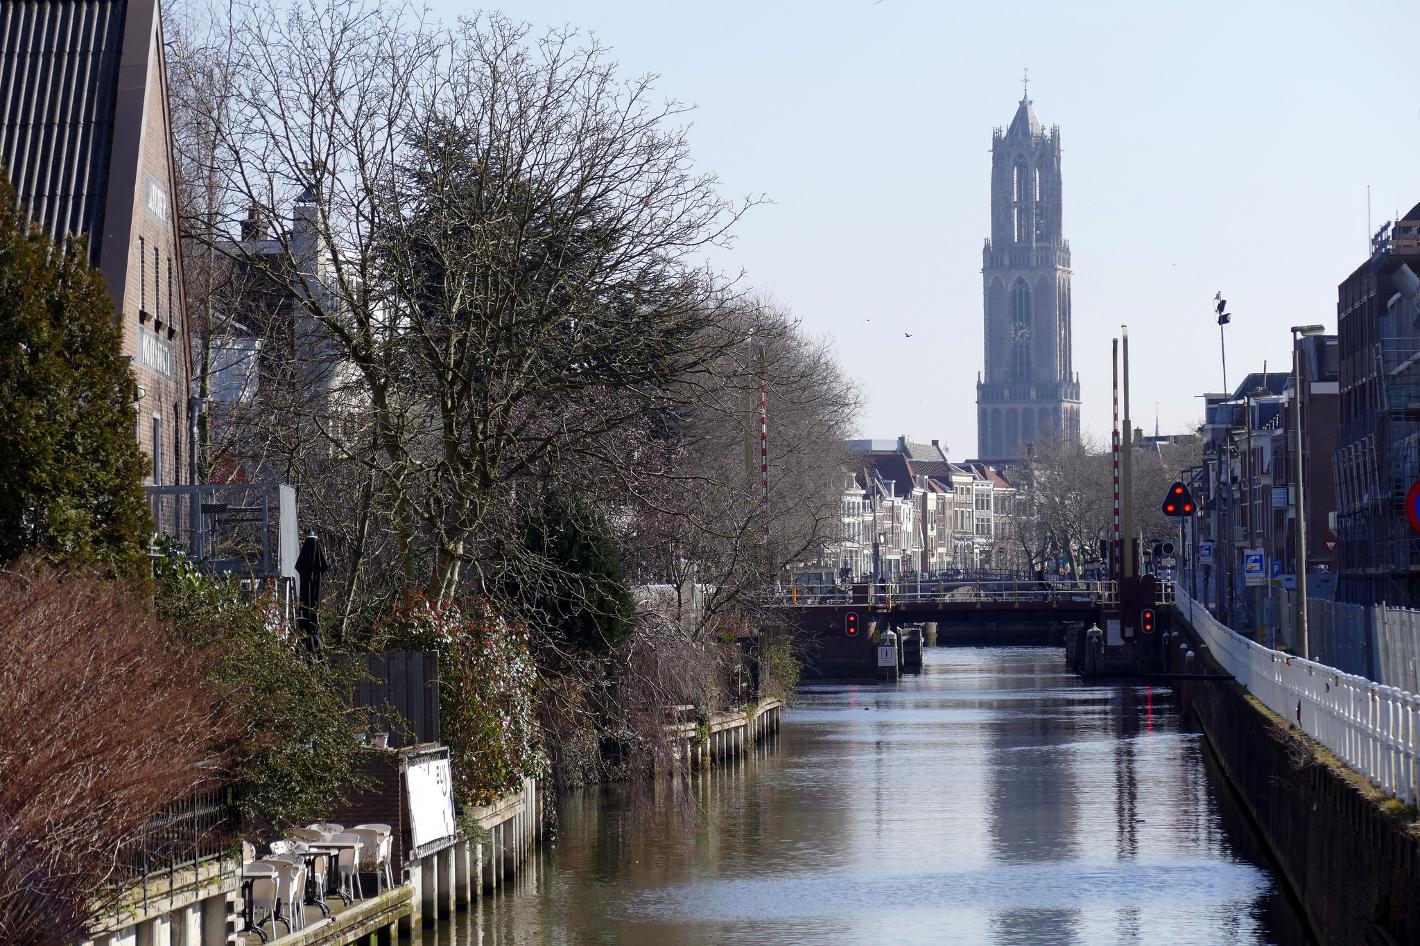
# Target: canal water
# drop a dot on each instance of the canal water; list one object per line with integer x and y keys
{"x": 992, "y": 799}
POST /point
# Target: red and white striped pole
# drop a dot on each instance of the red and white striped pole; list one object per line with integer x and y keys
{"x": 1116, "y": 545}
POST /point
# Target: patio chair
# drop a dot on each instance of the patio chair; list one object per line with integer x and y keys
{"x": 375, "y": 856}
{"x": 347, "y": 864}
{"x": 291, "y": 890}
{"x": 264, "y": 894}
{"x": 326, "y": 827}
{"x": 306, "y": 834}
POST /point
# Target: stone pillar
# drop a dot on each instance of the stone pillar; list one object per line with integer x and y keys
{"x": 187, "y": 926}
{"x": 477, "y": 860}
{"x": 217, "y": 920}
{"x": 463, "y": 871}
{"x": 447, "y": 897}
{"x": 429, "y": 888}
{"x": 414, "y": 877}
{"x": 387, "y": 935}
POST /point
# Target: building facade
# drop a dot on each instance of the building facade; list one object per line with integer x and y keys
{"x": 1028, "y": 391}
{"x": 85, "y": 137}
{"x": 1377, "y": 457}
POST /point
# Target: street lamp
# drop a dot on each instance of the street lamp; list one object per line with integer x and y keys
{"x": 1298, "y": 333}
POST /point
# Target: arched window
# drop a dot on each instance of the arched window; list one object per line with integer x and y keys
{"x": 1020, "y": 194}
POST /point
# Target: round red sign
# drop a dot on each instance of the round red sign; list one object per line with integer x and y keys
{"x": 1412, "y": 505}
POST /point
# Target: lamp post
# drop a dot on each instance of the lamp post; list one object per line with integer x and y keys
{"x": 1225, "y": 560}
{"x": 1298, "y": 333}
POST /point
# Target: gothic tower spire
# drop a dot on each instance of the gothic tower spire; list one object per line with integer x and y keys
{"x": 1029, "y": 393}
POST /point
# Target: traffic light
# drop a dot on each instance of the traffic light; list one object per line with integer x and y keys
{"x": 1146, "y": 620}
{"x": 1178, "y": 502}
{"x": 1168, "y": 550}
{"x": 850, "y": 623}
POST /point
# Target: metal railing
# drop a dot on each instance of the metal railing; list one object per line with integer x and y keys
{"x": 180, "y": 837}
{"x": 1370, "y": 727}
{"x": 1011, "y": 592}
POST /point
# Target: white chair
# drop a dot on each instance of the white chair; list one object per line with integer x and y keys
{"x": 291, "y": 890}
{"x": 347, "y": 863}
{"x": 263, "y": 891}
{"x": 306, "y": 834}
{"x": 375, "y": 856}
{"x": 278, "y": 847}
{"x": 248, "y": 852}
{"x": 326, "y": 827}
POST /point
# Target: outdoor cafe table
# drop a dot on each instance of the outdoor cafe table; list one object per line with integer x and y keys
{"x": 313, "y": 890}
{"x": 332, "y": 849}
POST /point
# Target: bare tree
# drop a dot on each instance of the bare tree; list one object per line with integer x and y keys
{"x": 503, "y": 235}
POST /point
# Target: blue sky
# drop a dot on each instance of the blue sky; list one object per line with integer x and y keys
{"x": 1207, "y": 146}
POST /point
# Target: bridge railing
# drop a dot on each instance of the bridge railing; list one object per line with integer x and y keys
{"x": 1370, "y": 727}
{"x": 1018, "y": 593}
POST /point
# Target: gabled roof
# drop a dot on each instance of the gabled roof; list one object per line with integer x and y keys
{"x": 59, "y": 71}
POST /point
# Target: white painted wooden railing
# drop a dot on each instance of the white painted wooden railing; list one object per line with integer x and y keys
{"x": 1370, "y": 727}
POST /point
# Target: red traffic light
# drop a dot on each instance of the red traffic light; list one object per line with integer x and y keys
{"x": 1146, "y": 620}
{"x": 850, "y": 623}
{"x": 1179, "y": 501}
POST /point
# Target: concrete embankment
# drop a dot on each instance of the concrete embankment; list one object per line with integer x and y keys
{"x": 1349, "y": 853}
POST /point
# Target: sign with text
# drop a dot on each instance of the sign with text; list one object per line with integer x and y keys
{"x": 1254, "y": 567}
{"x": 431, "y": 801}
{"x": 155, "y": 353}
{"x": 1205, "y": 553}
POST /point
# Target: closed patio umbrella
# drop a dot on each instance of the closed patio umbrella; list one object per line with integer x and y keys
{"x": 311, "y": 564}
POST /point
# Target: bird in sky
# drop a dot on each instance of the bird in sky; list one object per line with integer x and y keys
{"x": 907, "y": 334}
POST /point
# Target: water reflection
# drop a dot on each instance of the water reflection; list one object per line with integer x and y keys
{"x": 993, "y": 799}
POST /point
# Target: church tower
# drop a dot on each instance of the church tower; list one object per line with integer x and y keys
{"x": 1029, "y": 393}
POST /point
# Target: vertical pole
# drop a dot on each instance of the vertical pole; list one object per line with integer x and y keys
{"x": 1115, "y": 545}
{"x": 1126, "y": 477}
{"x": 1303, "y": 645}
{"x": 764, "y": 451}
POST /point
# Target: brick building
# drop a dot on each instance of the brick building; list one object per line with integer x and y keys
{"x": 85, "y": 137}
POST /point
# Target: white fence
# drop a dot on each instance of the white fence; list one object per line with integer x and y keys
{"x": 1371, "y": 727}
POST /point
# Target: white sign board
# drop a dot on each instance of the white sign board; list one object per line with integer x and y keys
{"x": 887, "y": 656}
{"x": 431, "y": 800}
{"x": 1205, "y": 553}
{"x": 1113, "y": 637}
{"x": 1254, "y": 567}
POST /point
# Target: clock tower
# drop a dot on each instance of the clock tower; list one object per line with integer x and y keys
{"x": 1029, "y": 393}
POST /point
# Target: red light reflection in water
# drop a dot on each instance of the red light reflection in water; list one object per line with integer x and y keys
{"x": 1149, "y": 708}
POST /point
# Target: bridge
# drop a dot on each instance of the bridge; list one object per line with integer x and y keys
{"x": 964, "y": 612}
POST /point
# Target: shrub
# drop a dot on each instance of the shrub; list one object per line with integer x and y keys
{"x": 299, "y": 734}
{"x": 488, "y": 683}
{"x": 72, "y": 489}
{"x": 102, "y": 723}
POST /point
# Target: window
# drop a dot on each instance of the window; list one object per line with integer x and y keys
{"x": 157, "y": 450}
{"x": 157, "y": 288}
{"x": 171, "y": 307}
{"x": 177, "y": 440}
{"x": 142, "y": 275}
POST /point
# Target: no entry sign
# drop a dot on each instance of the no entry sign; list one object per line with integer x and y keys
{"x": 1412, "y": 505}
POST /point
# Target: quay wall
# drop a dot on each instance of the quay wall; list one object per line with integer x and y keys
{"x": 1349, "y": 854}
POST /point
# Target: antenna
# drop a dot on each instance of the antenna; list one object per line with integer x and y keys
{"x": 1025, "y": 85}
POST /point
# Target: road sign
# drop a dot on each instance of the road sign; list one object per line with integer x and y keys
{"x": 1254, "y": 567}
{"x": 887, "y": 655}
{"x": 1412, "y": 505}
{"x": 1276, "y": 568}
{"x": 1329, "y": 544}
{"x": 1205, "y": 553}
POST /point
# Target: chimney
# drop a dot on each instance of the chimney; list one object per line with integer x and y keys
{"x": 254, "y": 226}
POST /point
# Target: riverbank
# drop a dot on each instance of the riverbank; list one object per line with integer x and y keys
{"x": 1349, "y": 853}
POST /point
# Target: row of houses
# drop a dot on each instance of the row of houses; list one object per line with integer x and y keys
{"x": 906, "y": 510}
{"x": 1355, "y": 398}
